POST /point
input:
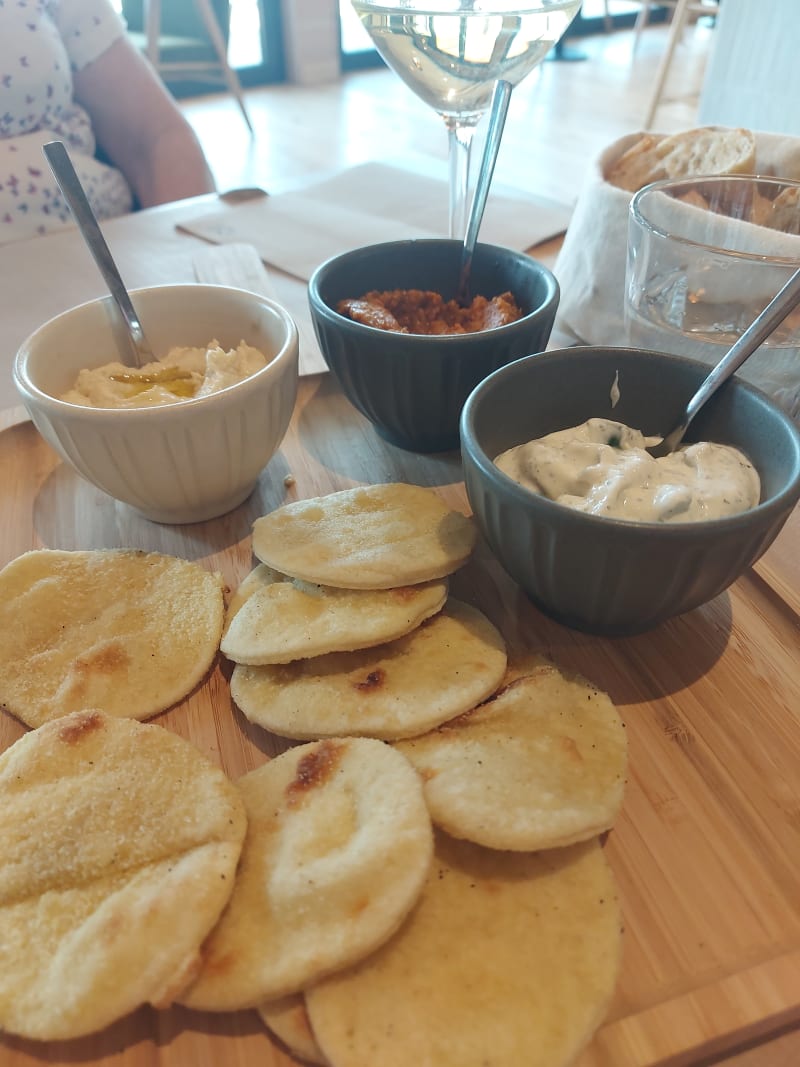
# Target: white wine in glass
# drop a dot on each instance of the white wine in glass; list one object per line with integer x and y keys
{"x": 452, "y": 52}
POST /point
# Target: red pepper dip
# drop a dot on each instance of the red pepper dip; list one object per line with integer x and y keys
{"x": 422, "y": 311}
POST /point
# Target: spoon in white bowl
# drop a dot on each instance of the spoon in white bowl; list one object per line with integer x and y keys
{"x": 70, "y": 185}
{"x": 756, "y": 333}
{"x": 497, "y": 121}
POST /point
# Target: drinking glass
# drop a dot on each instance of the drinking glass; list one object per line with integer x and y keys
{"x": 705, "y": 256}
{"x": 451, "y": 53}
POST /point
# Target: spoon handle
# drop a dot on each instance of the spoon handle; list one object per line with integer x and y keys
{"x": 497, "y": 121}
{"x": 72, "y": 190}
{"x": 759, "y": 329}
{"x": 757, "y": 332}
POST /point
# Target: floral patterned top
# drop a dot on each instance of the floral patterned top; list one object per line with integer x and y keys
{"x": 42, "y": 42}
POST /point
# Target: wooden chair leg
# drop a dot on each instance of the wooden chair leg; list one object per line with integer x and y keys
{"x": 152, "y": 30}
{"x": 231, "y": 80}
{"x": 642, "y": 18}
{"x": 675, "y": 31}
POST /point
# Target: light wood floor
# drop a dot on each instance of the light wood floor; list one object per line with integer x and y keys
{"x": 558, "y": 121}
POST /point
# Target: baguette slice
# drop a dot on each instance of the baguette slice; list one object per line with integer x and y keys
{"x": 706, "y": 150}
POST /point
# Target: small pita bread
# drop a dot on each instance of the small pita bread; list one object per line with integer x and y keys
{"x": 287, "y": 1018}
{"x": 371, "y": 537}
{"x": 541, "y": 764}
{"x": 508, "y": 958}
{"x": 277, "y": 619}
{"x": 444, "y": 667}
{"x": 338, "y": 846}
{"x": 120, "y": 844}
{"x": 131, "y": 633}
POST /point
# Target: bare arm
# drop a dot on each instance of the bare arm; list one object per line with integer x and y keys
{"x": 140, "y": 127}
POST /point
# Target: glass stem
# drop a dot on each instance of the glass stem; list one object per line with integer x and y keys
{"x": 460, "y": 142}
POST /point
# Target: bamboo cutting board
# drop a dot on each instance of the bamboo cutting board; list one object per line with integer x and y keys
{"x": 706, "y": 849}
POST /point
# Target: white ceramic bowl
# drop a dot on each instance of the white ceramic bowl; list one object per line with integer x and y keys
{"x": 177, "y": 463}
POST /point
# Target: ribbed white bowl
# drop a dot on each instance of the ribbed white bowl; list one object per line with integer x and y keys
{"x": 183, "y": 462}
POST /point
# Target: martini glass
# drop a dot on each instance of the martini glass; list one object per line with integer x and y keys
{"x": 452, "y": 52}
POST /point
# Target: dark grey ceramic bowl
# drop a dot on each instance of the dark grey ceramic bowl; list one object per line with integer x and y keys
{"x": 598, "y": 574}
{"x": 412, "y": 387}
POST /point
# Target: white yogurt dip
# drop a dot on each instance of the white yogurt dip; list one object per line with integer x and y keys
{"x": 601, "y": 467}
{"x": 183, "y": 374}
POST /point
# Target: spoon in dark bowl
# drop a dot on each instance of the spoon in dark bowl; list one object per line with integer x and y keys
{"x": 756, "y": 333}
{"x": 497, "y": 121}
{"x": 73, "y": 192}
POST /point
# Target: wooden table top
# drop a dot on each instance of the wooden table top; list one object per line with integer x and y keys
{"x": 706, "y": 848}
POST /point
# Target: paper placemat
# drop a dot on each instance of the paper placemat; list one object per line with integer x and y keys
{"x": 296, "y": 231}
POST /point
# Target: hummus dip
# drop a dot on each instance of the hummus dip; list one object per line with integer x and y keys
{"x": 602, "y": 467}
{"x": 183, "y": 374}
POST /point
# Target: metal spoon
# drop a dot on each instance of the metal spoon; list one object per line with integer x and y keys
{"x": 70, "y": 185}
{"x": 497, "y": 120}
{"x": 757, "y": 332}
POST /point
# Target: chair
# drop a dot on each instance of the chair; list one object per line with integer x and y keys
{"x": 190, "y": 68}
{"x": 681, "y": 11}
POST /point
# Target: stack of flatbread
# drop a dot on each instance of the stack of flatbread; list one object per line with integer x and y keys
{"x": 506, "y": 949}
{"x": 346, "y": 629}
{"x": 421, "y": 880}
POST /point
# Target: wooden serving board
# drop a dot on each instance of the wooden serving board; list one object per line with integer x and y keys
{"x": 707, "y": 846}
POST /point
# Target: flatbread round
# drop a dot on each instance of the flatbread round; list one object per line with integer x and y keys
{"x": 338, "y": 846}
{"x": 130, "y": 633}
{"x": 444, "y": 667}
{"x": 540, "y": 764}
{"x": 287, "y": 1018}
{"x": 279, "y": 619}
{"x": 120, "y": 844}
{"x": 371, "y": 537}
{"x": 509, "y": 958}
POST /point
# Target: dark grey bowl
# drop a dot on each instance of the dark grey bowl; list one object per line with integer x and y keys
{"x": 603, "y": 575}
{"x": 413, "y": 387}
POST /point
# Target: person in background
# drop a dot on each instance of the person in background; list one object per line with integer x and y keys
{"x": 69, "y": 72}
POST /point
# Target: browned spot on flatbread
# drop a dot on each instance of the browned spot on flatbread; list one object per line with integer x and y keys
{"x": 217, "y": 964}
{"x": 105, "y": 660}
{"x": 77, "y": 726}
{"x": 313, "y": 770}
{"x": 404, "y": 592}
{"x": 374, "y": 680}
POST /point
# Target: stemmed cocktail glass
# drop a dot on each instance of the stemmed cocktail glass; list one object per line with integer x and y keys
{"x": 452, "y": 52}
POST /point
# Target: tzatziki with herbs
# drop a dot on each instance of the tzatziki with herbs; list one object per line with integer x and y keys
{"x": 602, "y": 467}
{"x": 183, "y": 374}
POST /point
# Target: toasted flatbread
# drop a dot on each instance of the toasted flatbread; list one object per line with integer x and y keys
{"x": 130, "y": 633}
{"x": 338, "y": 846}
{"x": 279, "y": 619}
{"x": 444, "y": 667}
{"x": 508, "y": 958}
{"x": 539, "y": 765}
{"x": 120, "y": 844}
{"x": 371, "y": 537}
